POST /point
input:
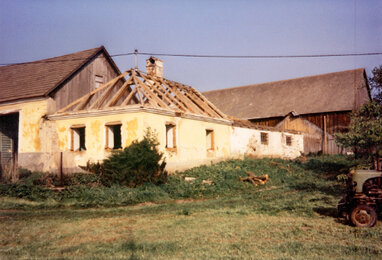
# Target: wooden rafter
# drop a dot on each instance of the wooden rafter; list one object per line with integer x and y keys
{"x": 197, "y": 93}
{"x": 148, "y": 91}
{"x": 170, "y": 99}
{"x": 129, "y": 97}
{"x": 195, "y": 109}
{"x": 119, "y": 93}
{"x": 102, "y": 98}
{"x": 151, "y": 95}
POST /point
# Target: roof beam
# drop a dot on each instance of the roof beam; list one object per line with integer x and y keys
{"x": 128, "y": 98}
{"x": 119, "y": 93}
{"x": 169, "y": 98}
{"x": 208, "y": 102}
{"x": 151, "y": 95}
{"x": 191, "y": 106}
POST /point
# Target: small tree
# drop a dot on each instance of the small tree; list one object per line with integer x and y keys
{"x": 139, "y": 163}
{"x": 365, "y": 131}
{"x": 376, "y": 84}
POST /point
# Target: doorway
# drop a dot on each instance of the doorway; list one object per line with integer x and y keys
{"x": 9, "y": 142}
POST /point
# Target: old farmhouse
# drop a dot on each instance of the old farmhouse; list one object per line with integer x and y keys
{"x": 317, "y": 106}
{"x": 65, "y": 111}
{"x": 31, "y": 91}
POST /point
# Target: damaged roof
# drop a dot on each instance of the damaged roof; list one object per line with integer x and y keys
{"x": 338, "y": 91}
{"x": 40, "y": 78}
{"x": 140, "y": 90}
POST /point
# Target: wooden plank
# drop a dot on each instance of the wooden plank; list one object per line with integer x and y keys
{"x": 82, "y": 104}
{"x": 191, "y": 106}
{"x": 101, "y": 99}
{"x": 175, "y": 98}
{"x": 152, "y": 95}
{"x": 119, "y": 93}
{"x": 202, "y": 104}
{"x": 92, "y": 93}
{"x": 139, "y": 94}
{"x": 208, "y": 102}
{"x": 170, "y": 98}
{"x": 137, "y": 87}
{"x": 155, "y": 87}
{"x": 128, "y": 98}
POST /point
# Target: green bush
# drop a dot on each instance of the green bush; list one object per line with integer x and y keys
{"x": 135, "y": 165}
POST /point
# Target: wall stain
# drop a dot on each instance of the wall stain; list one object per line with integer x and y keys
{"x": 62, "y": 129}
{"x": 131, "y": 128}
{"x": 95, "y": 138}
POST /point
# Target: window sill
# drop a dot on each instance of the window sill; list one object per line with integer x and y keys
{"x": 113, "y": 149}
{"x": 171, "y": 149}
{"x": 77, "y": 151}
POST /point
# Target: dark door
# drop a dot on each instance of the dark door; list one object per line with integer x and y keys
{"x": 9, "y": 136}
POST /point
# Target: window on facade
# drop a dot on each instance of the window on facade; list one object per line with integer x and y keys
{"x": 170, "y": 135}
{"x": 98, "y": 81}
{"x": 113, "y": 136}
{"x": 288, "y": 140}
{"x": 78, "y": 138}
{"x": 264, "y": 138}
{"x": 210, "y": 139}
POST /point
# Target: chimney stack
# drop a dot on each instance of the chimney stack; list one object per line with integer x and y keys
{"x": 154, "y": 67}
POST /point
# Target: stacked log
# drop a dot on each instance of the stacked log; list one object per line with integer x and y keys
{"x": 255, "y": 180}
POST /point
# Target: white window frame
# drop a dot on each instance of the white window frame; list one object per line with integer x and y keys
{"x": 170, "y": 135}
{"x": 75, "y": 138}
{"x": 110, "y": 135}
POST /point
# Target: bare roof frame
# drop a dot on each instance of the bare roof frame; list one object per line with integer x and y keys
{"x": 146, "y": 91}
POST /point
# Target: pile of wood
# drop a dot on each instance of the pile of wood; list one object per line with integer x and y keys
{"x": 255, "y": 180}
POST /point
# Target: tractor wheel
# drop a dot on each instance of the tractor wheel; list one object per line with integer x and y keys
{"x": 363, "y": 216}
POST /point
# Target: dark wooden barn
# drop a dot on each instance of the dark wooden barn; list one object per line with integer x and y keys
{"x": 318, "y": 106}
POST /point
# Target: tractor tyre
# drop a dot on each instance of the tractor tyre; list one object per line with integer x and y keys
{"x": 363, "y": 216}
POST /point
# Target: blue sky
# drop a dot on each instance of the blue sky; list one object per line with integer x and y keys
{"x": 37, "y": 29}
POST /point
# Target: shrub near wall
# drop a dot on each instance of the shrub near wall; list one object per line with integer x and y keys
{"x": 135, "y": 165}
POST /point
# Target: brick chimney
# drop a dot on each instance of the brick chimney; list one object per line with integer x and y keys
{"x": 154, "y": 67}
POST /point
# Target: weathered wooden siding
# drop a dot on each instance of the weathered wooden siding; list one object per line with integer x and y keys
{"x": 335, "y": 121}
{"x": 268, "y": 121}
{"x": 84, "y": 81}
{"x": 314, "y": 126}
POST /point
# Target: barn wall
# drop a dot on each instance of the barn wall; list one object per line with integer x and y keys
{"x": 84, "y": 81}
{"x": 191, "y": 141}
{"x": 313, "y": 128}
{"x": 335, "y": 121}
{"x": 246, "y": 141}
{"x": 272, "y": 122}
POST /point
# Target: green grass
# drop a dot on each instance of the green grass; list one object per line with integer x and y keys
{"x": 291, "y": 217}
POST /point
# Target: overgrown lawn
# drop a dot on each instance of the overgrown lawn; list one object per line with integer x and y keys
{"x": 293, "y": 216}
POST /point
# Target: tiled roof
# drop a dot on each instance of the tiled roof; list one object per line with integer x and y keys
{"x": 338, "y": 91}
{"x": 39, "y": 78}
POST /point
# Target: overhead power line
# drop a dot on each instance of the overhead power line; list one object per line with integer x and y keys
{"x": 260, "y": 56}
{"x": 213, "y": 56}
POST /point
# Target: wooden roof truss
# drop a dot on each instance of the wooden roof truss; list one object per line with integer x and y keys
{"x": 146, "y": 91}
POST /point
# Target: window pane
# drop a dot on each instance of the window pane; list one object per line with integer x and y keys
{"x": 117, "y": 136}
{"x": 170, "y": 136}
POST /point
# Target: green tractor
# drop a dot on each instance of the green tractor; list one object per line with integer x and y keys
{"x": 363, "y": 199}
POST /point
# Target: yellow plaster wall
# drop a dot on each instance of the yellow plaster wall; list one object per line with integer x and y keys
{"x": 30, "y": 123}
{"x": 191, "y": 138}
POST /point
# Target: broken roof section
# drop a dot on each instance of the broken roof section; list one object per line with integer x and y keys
{"x": 40, "y": 78}
{"x": 144, "y": 91}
